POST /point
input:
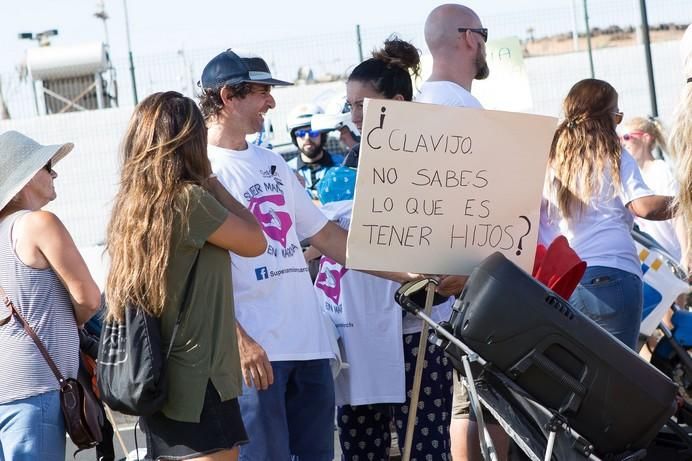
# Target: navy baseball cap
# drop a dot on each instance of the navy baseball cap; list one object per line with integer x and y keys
{"x": 229, "y": 68}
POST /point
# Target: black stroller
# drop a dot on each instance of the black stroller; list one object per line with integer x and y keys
{"x": 561, "y": 387}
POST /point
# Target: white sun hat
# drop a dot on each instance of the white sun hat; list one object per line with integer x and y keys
{"x": 20, "y": 159}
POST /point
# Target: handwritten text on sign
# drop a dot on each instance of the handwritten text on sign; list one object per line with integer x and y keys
{"x": 440, "y": 188}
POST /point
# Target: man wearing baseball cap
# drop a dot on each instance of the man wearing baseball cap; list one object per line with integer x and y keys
{"x": 285, "y": 350}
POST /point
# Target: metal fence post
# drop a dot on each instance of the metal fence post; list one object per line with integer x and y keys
{"x": 360, "y": 43}
{"x": 588, "y": 39}
{"x": 647, "y": 53}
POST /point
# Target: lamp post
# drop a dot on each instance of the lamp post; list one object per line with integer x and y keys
{"x": 43, "y": 38}
{"x": 103, "y": 16}
{"x": 129, "y": 54}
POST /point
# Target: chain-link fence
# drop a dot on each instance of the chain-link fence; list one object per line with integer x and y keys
{"x": 546, "y": 35}
{"x": 553, "y": 59}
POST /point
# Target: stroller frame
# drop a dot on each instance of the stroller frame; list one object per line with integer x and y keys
{"x": 557, "y": 422}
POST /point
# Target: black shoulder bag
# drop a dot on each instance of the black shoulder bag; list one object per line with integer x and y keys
{"x": 131, "y": 365}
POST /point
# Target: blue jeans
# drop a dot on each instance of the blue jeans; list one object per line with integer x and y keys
{"x": 32, "y": 428}
{"x": 294, "y": 418}
{"x": 613, "y": 299}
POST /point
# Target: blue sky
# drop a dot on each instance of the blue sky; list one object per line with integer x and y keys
{"x": 158, "y": 26}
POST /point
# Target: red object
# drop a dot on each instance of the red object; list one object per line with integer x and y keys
{"x": 558, "y": 267}
{"x": 90, "y": 367}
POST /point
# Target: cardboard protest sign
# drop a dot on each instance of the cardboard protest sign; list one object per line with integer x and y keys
{"x": 440, "y": 188}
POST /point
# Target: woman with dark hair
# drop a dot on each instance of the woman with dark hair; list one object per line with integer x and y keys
{"x": 593, "y": 187}
{"x": 376, "y": 387}
{"x": 387, "y": 75}
{"x": 173, "y": 221}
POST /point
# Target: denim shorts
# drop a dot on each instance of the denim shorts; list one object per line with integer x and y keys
{"x": 613, "y": 299}
{"x": 220, "y": 427}
{"x": 294, "y": 417}
{"x": 32, "y": 428}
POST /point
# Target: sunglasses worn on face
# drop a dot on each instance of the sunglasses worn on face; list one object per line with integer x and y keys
{"x": 311, "y": 133}
{"x": 483, "y": 32}
{"x": 632, "y": 135}
{"x": 618, "y": 117}
{"x": 48, "y": 166}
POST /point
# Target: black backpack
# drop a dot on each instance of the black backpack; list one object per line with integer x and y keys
{"x": 131, "y": 364}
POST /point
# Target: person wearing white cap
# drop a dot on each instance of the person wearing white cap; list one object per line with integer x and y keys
{"x": 47, "y": 281}
{"x": 680, "y": 145}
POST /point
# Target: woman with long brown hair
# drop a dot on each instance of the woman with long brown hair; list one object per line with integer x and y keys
{"x": 593, "y": 187}
{"x": 170, "y": 212}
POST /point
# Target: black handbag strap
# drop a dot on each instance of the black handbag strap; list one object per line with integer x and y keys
{"x": 32, "y": 334}
{"x": 186, "y": 301}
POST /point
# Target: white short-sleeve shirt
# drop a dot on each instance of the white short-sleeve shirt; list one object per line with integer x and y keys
{"x": 446, "y": 93}
{"x": 660, "y": 179}
{"x": 274, "y": 298}
{"x": 600, "y": 235}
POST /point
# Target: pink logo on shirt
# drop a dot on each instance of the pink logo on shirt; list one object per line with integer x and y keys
{"x": 275, "y": 224}
{"x": 329, "y": 278}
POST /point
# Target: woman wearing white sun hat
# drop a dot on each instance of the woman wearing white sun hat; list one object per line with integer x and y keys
{"x": 47, "y": 281}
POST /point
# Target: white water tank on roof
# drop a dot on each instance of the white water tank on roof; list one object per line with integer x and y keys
{"x": 57, "y": 62}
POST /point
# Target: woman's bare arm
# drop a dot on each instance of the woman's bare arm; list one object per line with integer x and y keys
{"x": 48, "y": 234}
{"x": 653, "y": 207}
{"x": 240, "y": 232}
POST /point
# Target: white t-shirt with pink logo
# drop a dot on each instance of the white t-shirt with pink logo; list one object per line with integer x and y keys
{"x": 274, "y": 298}
{"x": 368, "y": 320}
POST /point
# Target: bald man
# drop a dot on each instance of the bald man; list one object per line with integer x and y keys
{"x": 456, "y": 39}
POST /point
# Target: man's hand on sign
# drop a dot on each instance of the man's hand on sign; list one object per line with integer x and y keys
{"x": 451, "y": 285}
{"x": 254, "y": 362}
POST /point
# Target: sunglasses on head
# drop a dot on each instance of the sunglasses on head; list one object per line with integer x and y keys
{"x": 482, "y": 31}
{"x": 48, "y": 166}
{"x": 311, "y": 133}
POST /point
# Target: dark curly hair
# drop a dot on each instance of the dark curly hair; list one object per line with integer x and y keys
{"x": 388, "y": 71}
{"x": 210, "y": 100}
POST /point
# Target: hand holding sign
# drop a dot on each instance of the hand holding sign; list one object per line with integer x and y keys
{"x": 440, "y": 188}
